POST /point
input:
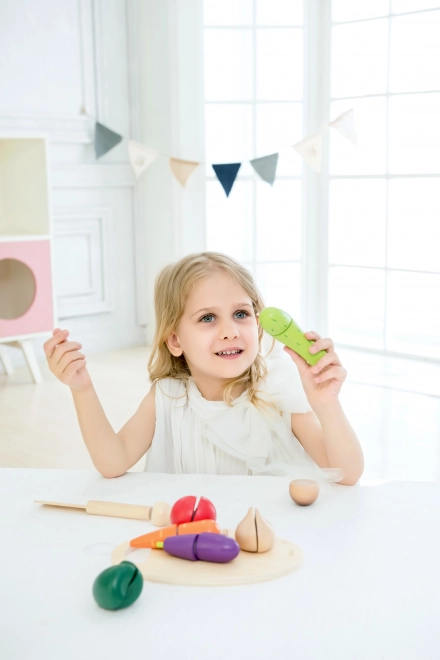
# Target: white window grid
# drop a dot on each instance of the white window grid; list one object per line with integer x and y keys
{"x": 252, "y": 265}
{"x": 317, "y": 32}
{"x": 327, "y": 177}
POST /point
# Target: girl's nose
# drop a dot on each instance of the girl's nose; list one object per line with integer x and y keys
{"x": 229, "y": 331}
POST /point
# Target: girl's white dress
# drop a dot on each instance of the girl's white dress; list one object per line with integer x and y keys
{"x": 194, "y": 435}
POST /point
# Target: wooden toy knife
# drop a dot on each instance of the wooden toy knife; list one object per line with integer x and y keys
{"x": 158, "y": 514}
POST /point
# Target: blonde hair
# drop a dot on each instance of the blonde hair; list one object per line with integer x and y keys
{"x": 173, "y": 286}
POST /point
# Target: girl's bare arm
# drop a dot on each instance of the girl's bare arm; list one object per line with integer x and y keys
{"x": 137, "y": 434}
{"x": 112, "y": 453}
{"x": 331, "y": 441}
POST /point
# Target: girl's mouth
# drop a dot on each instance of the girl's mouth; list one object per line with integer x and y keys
{"x": 232, "y": 356}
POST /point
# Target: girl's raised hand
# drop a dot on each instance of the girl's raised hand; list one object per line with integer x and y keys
{"x": 322, "y": 382}
{"x": 65, "y": 361}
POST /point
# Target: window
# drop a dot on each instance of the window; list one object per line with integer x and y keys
{"x": 384, "y": 193}
{"x": 253, "y": 108}
{"x": 378, "y": 203}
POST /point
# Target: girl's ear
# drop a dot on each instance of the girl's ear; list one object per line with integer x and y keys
{"x": 174, "y": 345}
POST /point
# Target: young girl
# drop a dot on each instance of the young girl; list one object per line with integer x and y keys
{"x": 225, "y": 398}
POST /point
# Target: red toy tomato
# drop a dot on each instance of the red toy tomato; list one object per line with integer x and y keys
{"x": 188, "y": 510}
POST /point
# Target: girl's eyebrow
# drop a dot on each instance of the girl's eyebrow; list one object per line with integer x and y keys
{"x": 207, "y": 309}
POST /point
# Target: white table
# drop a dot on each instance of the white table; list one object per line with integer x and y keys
{"x": 368, "y": 589}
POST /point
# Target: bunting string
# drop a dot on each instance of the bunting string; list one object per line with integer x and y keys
{"x": 141, "y": 156}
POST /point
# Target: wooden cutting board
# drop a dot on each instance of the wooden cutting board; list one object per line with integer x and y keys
{"x": 247, "y": 568}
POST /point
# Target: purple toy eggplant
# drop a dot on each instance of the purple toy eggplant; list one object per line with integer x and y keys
{"x": 205, "y": 546}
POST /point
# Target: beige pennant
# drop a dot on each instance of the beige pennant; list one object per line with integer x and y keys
{"x": 141, "y": 156}
{"x": 182, "y": 169}
{"x": 311, "y": 150}
{"x": 345, "y": 125}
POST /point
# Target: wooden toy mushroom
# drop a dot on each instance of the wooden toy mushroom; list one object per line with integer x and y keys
{"x": 254, "y": 533}
{"x": 304, "y": 491}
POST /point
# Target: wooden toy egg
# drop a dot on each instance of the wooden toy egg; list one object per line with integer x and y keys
{"x": 304, "y": 491}
{"x": 255, "y": 533}
{"x": 160, "y": 514}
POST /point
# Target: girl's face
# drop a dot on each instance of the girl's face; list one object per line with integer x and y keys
{"x": 218, "y": 316}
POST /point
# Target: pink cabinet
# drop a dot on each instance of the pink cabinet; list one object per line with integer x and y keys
{"x": 26, "y": 301}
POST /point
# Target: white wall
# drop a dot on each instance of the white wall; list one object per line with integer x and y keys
{"x": 58, "y": 58}
{"x": 170, "y": 94}
{"x": 137, "y": 67}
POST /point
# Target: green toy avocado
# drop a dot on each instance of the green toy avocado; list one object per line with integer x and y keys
{"x": 118, "y": 586}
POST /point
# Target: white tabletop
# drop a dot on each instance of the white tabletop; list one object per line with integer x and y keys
{"x": 368, "y": 588}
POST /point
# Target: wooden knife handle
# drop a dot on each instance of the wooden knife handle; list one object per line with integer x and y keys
{"x": 116, "y": 510}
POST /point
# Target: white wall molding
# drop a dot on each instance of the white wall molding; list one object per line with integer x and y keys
{"x": 92, "y": 176}
{"x": 93, "y": 292}
{"x": 101, "y": 95}
{"x": 111, "y": 67}
{"x": 57, "y": 129}
{"x": 88, "y": 59}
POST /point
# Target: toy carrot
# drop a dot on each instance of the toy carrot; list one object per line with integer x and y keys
{"x": 196, "y": 527}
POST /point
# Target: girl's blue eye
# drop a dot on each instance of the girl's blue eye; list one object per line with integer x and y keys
{"x": 241, "y": 311}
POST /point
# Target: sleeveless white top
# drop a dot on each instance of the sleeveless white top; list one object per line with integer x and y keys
{"x": 194, "y": 435}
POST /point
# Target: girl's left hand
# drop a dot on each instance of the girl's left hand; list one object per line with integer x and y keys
{"x": 322, "y": 382}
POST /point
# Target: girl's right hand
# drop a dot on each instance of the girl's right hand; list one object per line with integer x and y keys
{"x": 65, "y": 361}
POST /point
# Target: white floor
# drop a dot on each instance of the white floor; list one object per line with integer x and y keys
{"x": 392, "y": 403}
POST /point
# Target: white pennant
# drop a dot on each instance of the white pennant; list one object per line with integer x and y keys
{"x": 345, "y": 125}
{"x": 141, "y": 156}
{"x": 311, "y": 150}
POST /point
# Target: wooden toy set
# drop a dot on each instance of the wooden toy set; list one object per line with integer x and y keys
{"x": 191, "y": 548}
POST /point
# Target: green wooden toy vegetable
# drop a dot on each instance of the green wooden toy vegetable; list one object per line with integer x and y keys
{"x": 282, "y": 326}
{"x": 118, "y": 586}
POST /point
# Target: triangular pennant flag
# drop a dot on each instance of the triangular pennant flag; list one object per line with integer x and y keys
{"x": 345, "y": 125}
{"x": 141, "y": 156}
{"x": 227, "y": 174}
{"x": 311, "y": 150}
{"x": 266, "y": 167}
{"x": 105, "y": 139}
{"x": 182, "y": 169}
